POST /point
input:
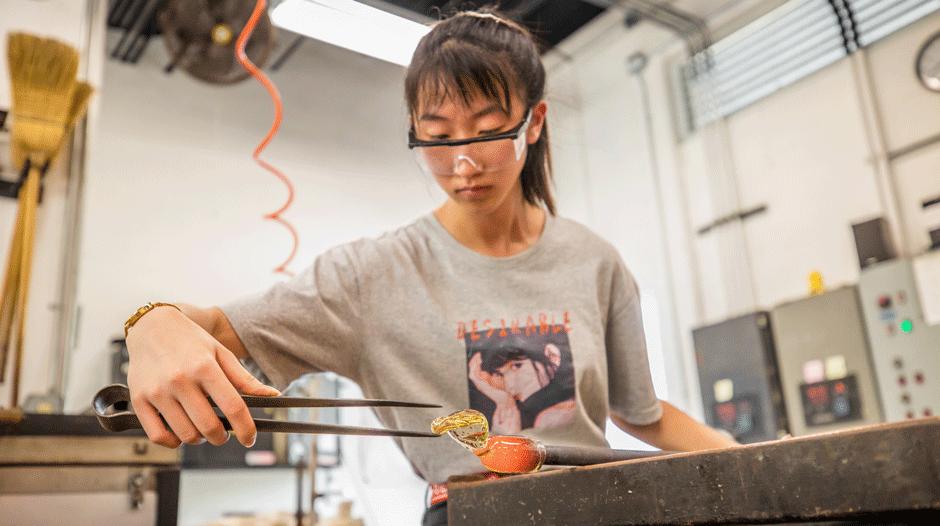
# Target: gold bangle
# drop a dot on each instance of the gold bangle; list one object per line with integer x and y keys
{"x": 144, "y": 310}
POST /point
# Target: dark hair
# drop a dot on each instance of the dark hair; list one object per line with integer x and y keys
{"x": 482, "y": 52}
{"x": 493, "y": 359}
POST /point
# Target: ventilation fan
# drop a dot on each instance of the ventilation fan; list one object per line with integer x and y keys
{"x": 202, "y": 36}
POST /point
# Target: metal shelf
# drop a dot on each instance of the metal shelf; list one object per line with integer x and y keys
{"x": 10, "y": 179}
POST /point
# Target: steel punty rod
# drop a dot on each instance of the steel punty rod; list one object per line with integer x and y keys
{"x": 577, "y": 456}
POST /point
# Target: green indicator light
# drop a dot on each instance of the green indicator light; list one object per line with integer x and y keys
{"x": 907, "y": 326}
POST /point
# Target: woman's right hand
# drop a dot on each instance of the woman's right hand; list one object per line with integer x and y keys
{"x": 174, "y": 365}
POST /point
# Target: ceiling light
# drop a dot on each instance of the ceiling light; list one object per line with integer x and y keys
{"x": 352, "y": 25}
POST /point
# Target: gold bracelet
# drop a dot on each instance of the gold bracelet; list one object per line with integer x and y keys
{"x": 144, "y": 310}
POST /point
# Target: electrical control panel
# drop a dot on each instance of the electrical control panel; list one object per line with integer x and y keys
{"x": 905, "y": 348}
{"x": 737, "y": 368}
{"x": 825, "y": 363}
{"x": 741, "y": 417}
{"x": 831, "y": 402}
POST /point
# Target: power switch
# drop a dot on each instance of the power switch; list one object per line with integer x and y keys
{"x": 884, "y": 301}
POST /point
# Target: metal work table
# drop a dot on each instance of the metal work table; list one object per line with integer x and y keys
{"x": 881, "y": 473}
{"x": 67, "y": 465}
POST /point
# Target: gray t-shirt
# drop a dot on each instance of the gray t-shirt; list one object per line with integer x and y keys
{"x": 554, "y": 333}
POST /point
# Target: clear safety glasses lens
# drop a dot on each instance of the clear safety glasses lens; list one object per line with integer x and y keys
{"x": 484, "y": 155}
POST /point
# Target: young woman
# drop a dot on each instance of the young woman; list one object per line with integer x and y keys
{"x": 412, "y": 314}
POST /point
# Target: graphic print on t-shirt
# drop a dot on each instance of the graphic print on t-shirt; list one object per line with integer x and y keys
{"x": 521, "y": 379}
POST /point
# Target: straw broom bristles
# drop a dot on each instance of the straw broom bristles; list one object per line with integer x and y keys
{"x": 47, "y": 101}
{"x": 83, "y": 92}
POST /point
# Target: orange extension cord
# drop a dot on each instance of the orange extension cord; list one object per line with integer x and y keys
{"x": 278, "y": 111}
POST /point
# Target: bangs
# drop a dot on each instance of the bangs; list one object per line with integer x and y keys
{"x": 462, "y": 73}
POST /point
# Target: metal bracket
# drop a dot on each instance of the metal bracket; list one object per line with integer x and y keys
{"x": 737, "y": 216}
{"x": 135, "y": 490}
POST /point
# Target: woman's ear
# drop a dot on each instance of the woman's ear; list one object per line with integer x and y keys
{"x": 538, "y": 121}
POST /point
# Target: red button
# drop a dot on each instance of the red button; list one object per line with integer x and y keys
{"x": 919, "y": 378}
{"x": 910, "y": 415}
{"x": 928, "y": 412}
{"x": 902, "y": 380}
{"x": 884, "y": 302}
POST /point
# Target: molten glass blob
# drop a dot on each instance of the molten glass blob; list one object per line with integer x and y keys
{"x": 498, "y": 453}
{"x": 468, "y": 427}
{"x": 507, "y": 454}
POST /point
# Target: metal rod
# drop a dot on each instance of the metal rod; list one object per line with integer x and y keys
{"x": 117, "y": 11}
{"x": 145, "y": 19}
{"x": 127, "y": 15}
{"x": 300, "y": 467}
{"x": 69, "y": 263}
{"x": 923, "y": 143}
{"x": 128, "y": 20}
{"x": 287, "y": 53}
{"x": 576, "y": 456}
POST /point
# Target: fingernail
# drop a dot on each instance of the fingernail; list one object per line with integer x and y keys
{"x": 202, "y": 440}
{"x": 253, "y": 438}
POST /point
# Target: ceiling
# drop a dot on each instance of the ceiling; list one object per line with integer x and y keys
{"x": 551, "y": 21}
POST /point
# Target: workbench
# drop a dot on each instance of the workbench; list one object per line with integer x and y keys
{"x": 66, "y": 469}
{"x": 886, "y": 473}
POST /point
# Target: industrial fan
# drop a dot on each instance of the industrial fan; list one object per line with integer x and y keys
{"x": 202, "y": 36}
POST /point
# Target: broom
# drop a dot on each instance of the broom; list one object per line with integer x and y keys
{"x": 20, "y": 159}
{"x": 23, "y": 237}
{"x": 47, "y": 100}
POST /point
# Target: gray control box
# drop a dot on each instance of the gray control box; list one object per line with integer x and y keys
{"x": 737, "y": 370}
{"x": 825, "y": 364}
{"x": 905, "y": 349}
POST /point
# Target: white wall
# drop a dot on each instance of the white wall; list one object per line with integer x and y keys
{"x": 814, "y": 152}
{"x": 811, "y": 153}
{"x": 69, "y": 26}
{"x": 608, "y": 178}
{"x": 909, "y": 113}
{"x": 174, "y": 201}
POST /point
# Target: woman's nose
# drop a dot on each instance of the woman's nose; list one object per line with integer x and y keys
{"x": 464, "y": 166}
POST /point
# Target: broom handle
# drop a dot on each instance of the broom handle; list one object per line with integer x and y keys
{"x": 29, "y": 222}
{"x": 10, "y": 284}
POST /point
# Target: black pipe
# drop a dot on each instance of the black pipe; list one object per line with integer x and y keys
{"x": 579, "y": 456}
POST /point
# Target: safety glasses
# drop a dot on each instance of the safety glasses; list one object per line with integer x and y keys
{"x": 488, "y": 153}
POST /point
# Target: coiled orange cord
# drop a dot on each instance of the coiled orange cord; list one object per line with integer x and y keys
{"x": 278, "y": 111}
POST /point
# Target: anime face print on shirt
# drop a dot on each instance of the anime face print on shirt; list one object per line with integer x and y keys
{"x": 521, "y": 379}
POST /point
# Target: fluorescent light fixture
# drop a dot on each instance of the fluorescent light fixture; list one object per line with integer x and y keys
{"x": 352, "y": 25}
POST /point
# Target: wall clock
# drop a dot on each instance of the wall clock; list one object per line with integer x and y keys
{"x": 928, "y": 63}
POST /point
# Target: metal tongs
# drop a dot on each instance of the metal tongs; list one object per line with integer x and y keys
{"x": 114, "y": 411}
